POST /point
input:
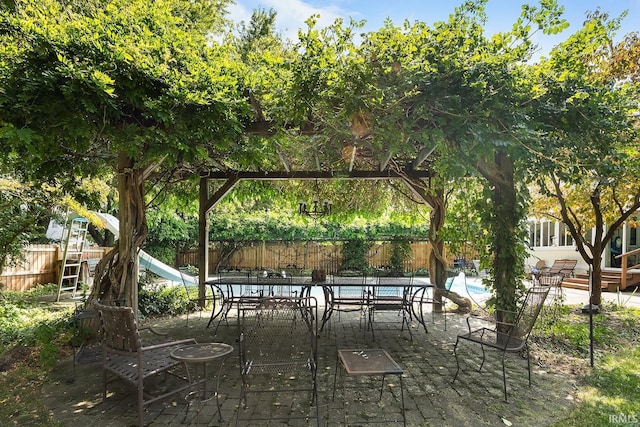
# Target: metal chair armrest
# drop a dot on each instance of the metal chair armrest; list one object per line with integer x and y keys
{"x": 153, "y": 331}
{"x": 168, "y": 344}
{"x": 469, "y": 323}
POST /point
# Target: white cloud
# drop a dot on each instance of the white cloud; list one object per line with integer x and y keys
{"x": 291, "y": 14}
{"x": 237, "y": 12}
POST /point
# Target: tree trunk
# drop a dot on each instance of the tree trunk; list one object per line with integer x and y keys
{"x": 507, "y": 242}
{"x": 437, "y": 262}
{"x": 596, "y": 282}
{"x": 596, "y": 269}
{"x": 116, "y": 275}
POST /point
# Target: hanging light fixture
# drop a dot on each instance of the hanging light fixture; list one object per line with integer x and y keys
{"x": 316, "y": 209}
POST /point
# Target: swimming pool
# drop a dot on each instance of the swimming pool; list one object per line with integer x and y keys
{"x": 472, "y": 286}
{"x": 457, "y": 284}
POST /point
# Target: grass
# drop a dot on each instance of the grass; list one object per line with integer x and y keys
{"x": 35, "y": 336}
{"x": 608, "y": 393}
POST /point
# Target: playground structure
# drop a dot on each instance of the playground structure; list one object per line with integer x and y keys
{"x": 76, "y": 264}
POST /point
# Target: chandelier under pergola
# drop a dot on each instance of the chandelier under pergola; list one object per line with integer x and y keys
{"x": 316, "y": 209}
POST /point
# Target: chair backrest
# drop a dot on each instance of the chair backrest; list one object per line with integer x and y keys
{"x": 392, "y": 286}
{"x": 395, "y": 280}
{"x": 279, "y": 332}
{"x": 276, "y": 286}
{"x": 563, "y": 266}
{"x": 531, "y": 307}
{"x": 349, "y": 286}
{"x": 553, "y": 280}
{"x": 119, "y": 328}
{"x": 235, "y": 282}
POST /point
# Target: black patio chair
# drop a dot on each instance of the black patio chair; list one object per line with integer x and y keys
{"x": 346, "y": 294}
{"x": 232, "y": 286}
{"x": 509, "y": 334}
{"x": 275, "y": 286}
{"x": 279, "y": 354}
{"x": 190, "y": 282}
{"x": 554, "y": 282}
{"x": 425, "y": 296}
{"x": 391, "y": 293}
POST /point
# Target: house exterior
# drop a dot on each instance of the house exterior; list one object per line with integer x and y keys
{"x": 550, "y": 240}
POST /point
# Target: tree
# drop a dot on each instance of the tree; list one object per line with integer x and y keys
{"x": 173, "y": 222}
{"x": 589, "y": 148}
{"x": 447, "y": 90}
{"x": 117, "y": 82}
{"x": 134, "y": 87}
{"x": 25, "y": 210}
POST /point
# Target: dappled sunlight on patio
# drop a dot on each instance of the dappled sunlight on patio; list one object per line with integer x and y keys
{"x": 427, "y": 362}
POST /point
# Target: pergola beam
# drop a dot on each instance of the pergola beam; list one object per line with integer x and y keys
{"x": 207, "y": 202}
{"x": 307, "y": 175}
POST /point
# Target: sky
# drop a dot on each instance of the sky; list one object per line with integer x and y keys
{"x": 501, "y": 14}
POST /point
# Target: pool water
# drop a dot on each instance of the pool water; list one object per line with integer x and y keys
{"x": 472, "y": 286}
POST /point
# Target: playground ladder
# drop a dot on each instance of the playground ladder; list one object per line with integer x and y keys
{"x": 74, "y": 238}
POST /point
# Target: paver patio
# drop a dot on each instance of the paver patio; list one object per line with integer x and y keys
{"x": 475, "y": 399}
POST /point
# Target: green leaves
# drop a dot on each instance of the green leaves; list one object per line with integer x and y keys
{"x": 114, "y": 76}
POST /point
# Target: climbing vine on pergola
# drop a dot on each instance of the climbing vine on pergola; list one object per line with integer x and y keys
{"x": 145, "y": 91}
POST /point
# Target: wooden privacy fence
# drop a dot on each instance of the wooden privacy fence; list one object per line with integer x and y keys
{"x": 42, "y": 263}
{"x": 305, "y": 255}
{"x": 41, "y": 266}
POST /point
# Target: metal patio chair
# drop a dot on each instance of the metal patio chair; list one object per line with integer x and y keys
{"x": 231, "y": 286}
{"x": 125, "y": 357}
{"x": 279, "y": 354}
{"x": 425, "y": 296}
{"x": 391, "y": 293}
{"x": 276, "y": 286}
{"x": 554, "y": 282}
{"x": 189, "y": 282}
{"x": 346, "y": 294}
{"x": 509, "y": 335}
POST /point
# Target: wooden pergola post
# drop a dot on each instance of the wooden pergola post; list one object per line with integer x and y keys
{"x": 208, "y": 202}
{"x": 203, "y": 238}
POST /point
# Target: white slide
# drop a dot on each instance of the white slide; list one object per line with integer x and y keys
{"x": 147, "y": 261}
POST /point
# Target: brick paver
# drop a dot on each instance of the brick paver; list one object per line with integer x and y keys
{"x": 475, "y": 399}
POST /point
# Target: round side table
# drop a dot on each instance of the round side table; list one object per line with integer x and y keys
{"x": 200, "y": 355}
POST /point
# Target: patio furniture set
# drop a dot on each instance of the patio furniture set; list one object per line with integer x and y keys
{"x": 278, "y": 342}
{"x": 341, "y": 293}
{"x": 552, "y": 277}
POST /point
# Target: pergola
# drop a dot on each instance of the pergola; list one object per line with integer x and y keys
{"x": 411, "y": 173}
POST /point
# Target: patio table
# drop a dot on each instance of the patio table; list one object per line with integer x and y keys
{"x": 247, "y": 289}
{"x": 201, "y": 354}
{"x": 376, "y": 293}
{"x": 364, "y": 293}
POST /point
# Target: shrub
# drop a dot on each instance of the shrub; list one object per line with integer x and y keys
{"x": 25, "y": 322}
{"x": 164, "y": 300}
{"x": 354, "y": 255}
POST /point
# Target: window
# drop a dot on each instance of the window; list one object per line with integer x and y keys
{"x": 549, "y": 233}
{"x": 588, "y": 235}
{"x": 566, "y": 239}
{"x": 534, "y": 233}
